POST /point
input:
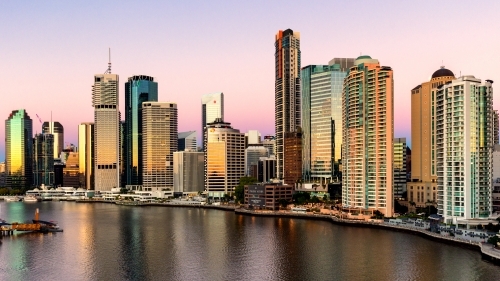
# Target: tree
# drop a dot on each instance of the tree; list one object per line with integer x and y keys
{"x": 494, "y": 240}
{"x": 239, "y": 191}
{"x": 377, "y": 215}
{"x": 283, "y": 203}
{"x": 300, "y": 198}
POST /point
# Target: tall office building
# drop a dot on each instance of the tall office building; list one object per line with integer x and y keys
{"x": 269, "y": 142}
{"x": 2, "y": 174}
{"x": 106, "y": 131}
{"x": 252, "y": 155}
{"x": 399, "y": 166}
{"x": 71, "y": 170}
{"x": 138, "y": 89}
{"x": 43, "y": 160}
{"x": 57, "y": 130}
{"x": 86, "y": 155}
{"x": 496, "y": 127}
{"x": 266, "y": 169}
{"x": 252, "y": 137}
{"x": 188, "y": 172}
{"x": 159, "y": 142}
{"x": 212, "y": 107}
{"x": 292, "y": 166}
{"x": 19, "y": 149}
{"x": 422, "y": 187}
{"x": 321, "y": 89}
{"x": 368, "y": 132}
{"x": 464, "y": 144}
{"x": 287, "y": 90}
{"x": 224, "y": 158}
{"x": 186, "y": 141}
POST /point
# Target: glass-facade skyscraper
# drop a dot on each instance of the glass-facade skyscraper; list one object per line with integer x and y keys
{"x": 57, "y": 130}
{"x": 321, "y": 88}
{"x": 287, "y": 90}
{"x": 138, "y": 89}
{"x": 86, "y": 155}
{"x": 19, "y": 149}
{"x": 212, "y": 107}
{"x": 43, "y": 160}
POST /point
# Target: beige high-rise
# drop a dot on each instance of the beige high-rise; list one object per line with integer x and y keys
{"x": 85, "y": 157}
{"x": 422, "y": 189}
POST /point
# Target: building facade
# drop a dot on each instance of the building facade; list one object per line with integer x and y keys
{"x": 224, "y": 158}
{"x": 495, "y": 198}
{"x": 43, "y": 160}
{"x": 19, "y": 149}
{"x": 399, "y": 166}
{"x": 57, "y": 130}
{"x": 186, "y": 141}
{"x": 188, "y": 172}
{"x": 159, "y": 142}
{"x": 138, "y": 89}
{"x": 106, "y": 131}
{"x": 464, "y": 144}
{"x": 267, "y": 196}
{"x": 269, "y": 142}
{"x": 86, "y": 155}
{"x": 212, "y": 108}
{"x": 368, "y": 132}
{"x": 71, "y": 170}
{"x": 267, "y": 169}
{"x": 252, "y": 155}
{"x": 293, "y": 161}
{"x": 287, "y": 111}
{"x": 496, "y": 127}
{"x": 321, "y": 89}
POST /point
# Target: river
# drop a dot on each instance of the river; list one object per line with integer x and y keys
{"x": 110, "y": 242}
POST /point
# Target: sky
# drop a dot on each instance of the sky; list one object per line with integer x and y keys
{"x": 50, "y": 51}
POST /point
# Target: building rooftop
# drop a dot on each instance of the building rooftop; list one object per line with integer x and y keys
{"x": 442, "y": 72}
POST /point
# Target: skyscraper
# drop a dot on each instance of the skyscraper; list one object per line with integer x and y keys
{"x": 399, "y": 167}
{"x": 19, "y": 149}
{"x": 86, "y": 155}
{"x": 422, "y": 187}
{"x": 368, "y": 132}
{"x": 212, "y": 107}
{"x": 287, "y": 90}
{"x": 224, "y": 158}
{"x": 188, "y": 172}
{"x": 496, "y": 127}
{"x": 464, "y": 145}
{"x": 57, "y": 130}
{"x": 106, "y": 131}
{"x": 43, "y": 160}
{"x": 138, "y": 89}
{"x": 159, "y": 142}
{"x": 187, "y": 141}
{"x": 321, "y": 89}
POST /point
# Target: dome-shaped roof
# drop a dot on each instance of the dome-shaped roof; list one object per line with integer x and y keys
{"x": 364, "y": 57}
{"x": 442, "y": 72}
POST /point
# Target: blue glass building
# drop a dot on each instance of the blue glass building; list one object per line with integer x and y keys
{"x": 138, "y": 89}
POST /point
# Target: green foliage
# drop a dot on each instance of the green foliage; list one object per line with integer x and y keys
{"x": 377, "y": 215}
{"x": 494, "y": 240}
{"x": 283, "y": 203}
{"x": 492, "y": 227}
{"x": 300, "y": 198}
{"x": 239, "y": 191}
{"x": 123, "y": 190}
{"x": 398, "y": 208}
{"x": 314, "y": 199}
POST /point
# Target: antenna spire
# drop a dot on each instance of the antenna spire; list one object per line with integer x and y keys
{"x": 108, "y": 71}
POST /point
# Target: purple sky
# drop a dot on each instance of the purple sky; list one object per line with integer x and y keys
{"x": 50, "y": 51}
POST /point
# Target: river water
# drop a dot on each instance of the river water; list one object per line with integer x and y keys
{"x": 110, "y": 242}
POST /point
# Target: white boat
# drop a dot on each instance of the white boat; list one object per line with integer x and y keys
{"x": 30, "y": 198}
{"x": 12, "y": 199}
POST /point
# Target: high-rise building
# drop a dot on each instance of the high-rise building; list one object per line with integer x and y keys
{"x": 422, "y": 188}
{"x": 159, "y": 142}
{"x": 267, "y": 169}
{"x": 19, "y": 149}
{"x": 368, "y": 132}
{"x": 106, "y": 131}
{"x": 464, "y": 143}
{"x": 43, "y": 160}
{"x": 71, "y": 171}
{"x": 292, "y": 165}
{"x": 495, "y": 197}
{"x": 399, "y": 166}
{"x": 2, "y": 174}
{"x": 252, "y": 155}
{"x": 287, "y": 90}
{"x": 86, "y": 155}
{"x": 496, "y": 127}
{"x": 138, "y": 89}
{"x": 186, "y": 141}
{"x": 252, "y": 137}
{"x": 321, "y": 89}
{"x": 188, "y": 172}
{"x": 269, "y": 142}
{"x": 224, "y": 158}
{"x": 212, "y": 107}
{"x": 57, "y": 130}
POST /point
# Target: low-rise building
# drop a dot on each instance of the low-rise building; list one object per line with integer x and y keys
{"x": 267, "y": 196}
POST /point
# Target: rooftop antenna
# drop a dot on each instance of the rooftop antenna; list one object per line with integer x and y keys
{"x": 108, "y": 71}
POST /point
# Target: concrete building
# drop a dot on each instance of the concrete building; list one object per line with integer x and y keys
{"x": 71, "y": 170}
{"x": 321, "y": 90}
{"x": 105, "y": 100}
{"x": 138, "y": 89}
{"x": 266, "y": 169}
{"x": 267, "y": 196}
{"x": 252, "y": 137}
{"x": 269, "y": 142}
{"x": 496, "y": 180}
{"x": 293, "y": 160}
{"x": 464, "y": 143}
{"x": 224, "y": 158}
{"x": 19, "y": 149}
{"x": 212, "y": 108}
{"x": 496, "y": 127}
{"x": 2, "y": 174}
{"x": 57, "y": 130}
{"x": 252, "y": 155}
{"x": 368, "y": 133}
{"x": 287, "y": 91}
{"x": 188, "y": 172}
{"x": 422, "y": 188}
{"x": 186, "y": 141}
{"x": 159, "y": 142}
{"x": 399, "y": 166}
{"x": 86, "y": 155}
{"x": 43, "y": 160}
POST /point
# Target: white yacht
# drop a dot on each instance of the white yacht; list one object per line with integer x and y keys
{"x": 30, "y": 198}
{"x": 12, "y": 199}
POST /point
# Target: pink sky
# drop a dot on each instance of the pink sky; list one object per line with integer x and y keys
{"x": 50, "y": 52}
